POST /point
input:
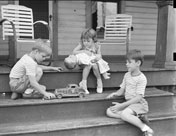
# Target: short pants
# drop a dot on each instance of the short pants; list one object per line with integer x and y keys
{"x": 19, "y": 85}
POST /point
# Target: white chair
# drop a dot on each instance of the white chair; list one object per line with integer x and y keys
{"x": 23, "y": 30}
{"x": 117, "y": 30}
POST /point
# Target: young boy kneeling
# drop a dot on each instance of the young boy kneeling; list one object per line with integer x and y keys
{"x": 26, "y": 73}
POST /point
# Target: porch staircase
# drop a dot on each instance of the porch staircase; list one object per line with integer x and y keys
{"x": 85, "y": 116}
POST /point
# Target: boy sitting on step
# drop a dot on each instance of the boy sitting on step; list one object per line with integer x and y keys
{"x": 26, "y": 73}
{"x": 83, "y": 59}
{"x": 133, "y": 88}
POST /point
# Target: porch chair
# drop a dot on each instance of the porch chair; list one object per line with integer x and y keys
{"x": 118, "y": 30}
{"x": 17, "y": 22}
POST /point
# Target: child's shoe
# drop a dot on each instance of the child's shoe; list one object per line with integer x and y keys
{"x": 31, "y": 94}
{"x": 106, "y": 75}
{"x": 29, "y": 91}
{"x": 15, "y": 96}
{"x": 99, "y": 86}
{"x": 83, "y": 84}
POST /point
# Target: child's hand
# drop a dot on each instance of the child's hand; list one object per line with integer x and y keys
{"x": 98, "y": 57}
{"x": 49, "y": 96}
{"x": 57, "y": 69}
{"x": 111, "y": 95}
{"x": 116, "y": 107}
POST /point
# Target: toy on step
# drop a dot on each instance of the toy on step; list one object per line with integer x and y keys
{"x": 72, "y": 90}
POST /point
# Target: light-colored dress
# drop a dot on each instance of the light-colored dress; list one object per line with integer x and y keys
{"x": 86, "y": 60}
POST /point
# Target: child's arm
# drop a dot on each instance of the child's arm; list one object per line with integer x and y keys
{"x": 50, "y": 68}
{"x": 78, "y": 49}
{"x": 98, "y": 55}
{"x": 119, "y": 92}
{"x": 121, "y": 106}
{"x": 40, "y": 88}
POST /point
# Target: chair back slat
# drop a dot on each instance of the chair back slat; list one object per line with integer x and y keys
{"x": 22, "y": 17}
{"x": 116, "y": 27}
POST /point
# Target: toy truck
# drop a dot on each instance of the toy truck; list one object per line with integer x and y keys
{"x": 72, "y": 90}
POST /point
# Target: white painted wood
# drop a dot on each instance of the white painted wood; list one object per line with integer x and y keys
{"x": 20, "y": 16}
{"x": 116, "y": 26}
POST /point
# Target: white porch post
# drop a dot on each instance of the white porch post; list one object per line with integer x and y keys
{"x": 166, "y": 35}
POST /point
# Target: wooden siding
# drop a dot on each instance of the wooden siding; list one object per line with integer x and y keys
{"x": 145, "y": 25}
{"x": 4, "y": 48}
{"x": 144, "y": 21}
{"x": 71, "y": 22}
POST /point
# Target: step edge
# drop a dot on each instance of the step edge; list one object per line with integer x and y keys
{"x": 110, "y": 121}
{"x": 29, "y": 102}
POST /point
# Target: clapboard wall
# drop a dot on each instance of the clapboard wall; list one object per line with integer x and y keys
{"x": 145, "y": 25}
{"x": 71, "y": 22}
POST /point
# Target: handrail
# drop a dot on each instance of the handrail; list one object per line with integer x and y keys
{"x": 14, "y": 57}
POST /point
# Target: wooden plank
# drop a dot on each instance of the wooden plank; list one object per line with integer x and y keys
{"x": 55, "y": 31}
{"x": 71, "y": 24}
{"x": 72, "y": 29}
{"x": 72, "y": 4}
{"x": 142, "y": 37}
{"x": 143, "y": 15}
{"x": 71, "y": 35}
{"x": 65, "y": 18}
{"x": 69, "y": 11}
{"x": 147, "y": 4}
{"x": 4, "y": 52}
{"x": 141, "y": 10}
{"x": 145, "y": 21}
{"x": 145, "y": 27}
{"x": 143, "y": 42}
{"x": 146, "y": 32}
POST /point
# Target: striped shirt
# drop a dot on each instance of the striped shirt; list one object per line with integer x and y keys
{"x": 25, "y": 66}
{"x": 133, "y": 85}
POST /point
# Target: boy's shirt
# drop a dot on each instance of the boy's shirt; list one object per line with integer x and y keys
{"x": 25, "y": 66}
{"x": 133, "y": 85}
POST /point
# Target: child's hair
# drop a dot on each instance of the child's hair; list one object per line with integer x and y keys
{"x": 88, "y": 33}
{"x": 69, "y": 64}
{"x": 135, "y": 55}
{"x": 43, "y": 46}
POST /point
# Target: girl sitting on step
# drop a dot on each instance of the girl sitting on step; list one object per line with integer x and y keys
{"x": 89, "y": 45}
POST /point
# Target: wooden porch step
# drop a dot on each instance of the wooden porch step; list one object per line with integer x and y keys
{"x": 93, "y": 105}
{"x": 54, "y": 80}
{"x": 99, "y": 126}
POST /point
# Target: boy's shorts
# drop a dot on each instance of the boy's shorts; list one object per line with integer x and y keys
{"x": 19, "y": 85}
{"x": 140, "y": 108}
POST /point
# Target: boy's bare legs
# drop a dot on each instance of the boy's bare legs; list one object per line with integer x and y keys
{"x": 109, "y": 113}
{"x": 98, "y": 76}
{"x": 128, "y": 116}
{"x": 85, "y": 73}
{"x": 106, "y": 75}
{"x": 39, "y": 74}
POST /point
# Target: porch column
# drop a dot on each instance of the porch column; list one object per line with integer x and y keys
{"x": 166, "y": 35}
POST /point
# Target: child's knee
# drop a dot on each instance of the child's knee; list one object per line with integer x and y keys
{"x": 95, "y": 67}
{"x": 108, "y": 112}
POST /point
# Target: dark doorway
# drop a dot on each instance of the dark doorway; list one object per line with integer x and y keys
{"x": 40, "y": 12}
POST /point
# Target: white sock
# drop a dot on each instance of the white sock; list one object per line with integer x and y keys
{"x": 145, "y": 128}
